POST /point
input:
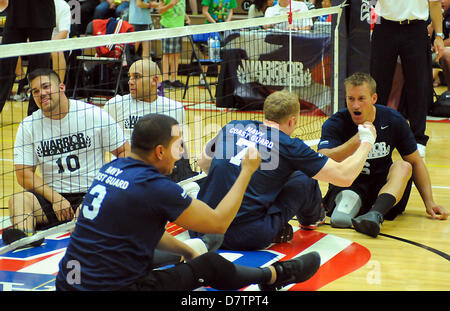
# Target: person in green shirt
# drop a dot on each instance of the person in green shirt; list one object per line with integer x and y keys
{"x": 173, "y": 14}
{"x": 217, "y": 11}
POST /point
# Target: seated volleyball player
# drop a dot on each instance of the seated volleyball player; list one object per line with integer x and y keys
{"x": 382, "y": 189}
{"x": 143, "y": 79}
{"x": 123, "y": 216}
{"x": 67, "y": 140}
{"x": 286, "y": 184}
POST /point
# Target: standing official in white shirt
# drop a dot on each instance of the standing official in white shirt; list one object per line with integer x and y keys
{"x": 402, "y": 31}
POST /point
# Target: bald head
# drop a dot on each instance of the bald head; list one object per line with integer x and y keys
{"x": 143, "y": 80}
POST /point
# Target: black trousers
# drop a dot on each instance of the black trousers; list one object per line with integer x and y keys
{"x": 209, "y": 269}
{"x": 8, "y": 65}
{"x": 411, "y": 43}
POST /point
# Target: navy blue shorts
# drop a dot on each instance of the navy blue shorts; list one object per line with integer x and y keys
{"x": 75, "y": 200}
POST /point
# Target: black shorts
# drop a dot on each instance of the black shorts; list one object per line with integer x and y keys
{"x": 75, "y": 199}
{"x": 368, "y": 191}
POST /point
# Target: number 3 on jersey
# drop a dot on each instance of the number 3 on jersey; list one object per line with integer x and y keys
{"x": 91, "y": 211}
{"x": 237, "y": 159}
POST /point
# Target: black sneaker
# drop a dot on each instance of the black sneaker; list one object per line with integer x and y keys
{"x": 369, "y": 223}
{"x": 315, "y": 224}
{"x": 11, "y": 235}
{"x": 296, "y": 270}
{"x": 285, "y": 234}
{"x": 177, "y": 84}
{"x": 166, "y": 84}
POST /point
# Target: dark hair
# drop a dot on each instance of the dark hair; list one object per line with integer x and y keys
{"x": 150, "y": 131}
{"x": 43, "y": 72}
{"x": 259, "y": 4}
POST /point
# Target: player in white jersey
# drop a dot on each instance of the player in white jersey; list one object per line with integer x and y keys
{"x": 144, "y": 76}
{"x": 143, "y": 99}
{"x": 67, "y": 140}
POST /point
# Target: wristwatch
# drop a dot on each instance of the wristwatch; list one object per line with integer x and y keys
{"x": 440, "y": 34}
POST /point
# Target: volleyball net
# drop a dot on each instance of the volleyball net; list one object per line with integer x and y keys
{"x": 224, "y": 72}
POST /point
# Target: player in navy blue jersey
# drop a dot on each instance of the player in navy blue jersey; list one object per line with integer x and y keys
{"x": 286, "y": 184}
{"x": 123, "y": 216}
{"x": 382, "y": 189}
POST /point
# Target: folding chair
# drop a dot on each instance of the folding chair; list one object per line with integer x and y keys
{"x": 198, "y": 63}
{"x": 102, "y": 72}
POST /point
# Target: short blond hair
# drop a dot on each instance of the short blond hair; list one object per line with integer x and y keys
{"x": 359, "y": 78}
{"x": 280, "y": 105}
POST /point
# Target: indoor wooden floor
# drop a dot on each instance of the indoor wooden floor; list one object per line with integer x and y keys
{"x": 411, "y": 253}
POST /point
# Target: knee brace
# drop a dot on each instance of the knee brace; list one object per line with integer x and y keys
{"x": 348, "y": 204}
{"x": 213, "y": 270}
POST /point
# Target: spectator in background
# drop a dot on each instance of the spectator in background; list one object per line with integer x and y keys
{"x": 258, "y": 8}
{"x": 144, "y": 77}
{"x": 444, "y": 61}
{"x": 111, "y": 8}
{"x": 61, "y": 31}
{"x": 312, "y": 4}
{"x": 173, "y": 14}
{"x": 283, "y": 7}
{"x": 25, "y": 21}
{"x": 320, "y": 4}
{"x": 402, "y": 31}
{"x": 87, "y": 9}
{"x": 194, "y": 8}
{"x": 217, "y": 11}
{"x": 139, "y": 16}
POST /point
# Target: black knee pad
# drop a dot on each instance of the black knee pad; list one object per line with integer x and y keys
{"x": 213, "y": 270}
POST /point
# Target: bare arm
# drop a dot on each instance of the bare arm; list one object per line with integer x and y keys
{"x": 164, "y": 8}
{"x": 423, "y": 183}
{"x": 29, "y": 180}
{"x": 61, "y": 35}
{"x": 343, "y": 151}
{"x": 345, "y": 172}
{"x": 200, "y": 217}
{"x": 207, "y": 15}
{"x": 436, "y": 20}
{"x": 230, "y": 15}
{"x": 170, "y": 244}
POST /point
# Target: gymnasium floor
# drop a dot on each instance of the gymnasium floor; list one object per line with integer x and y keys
{"x": 411, "y": 253}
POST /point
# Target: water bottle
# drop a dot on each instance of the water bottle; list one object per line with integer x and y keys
{"x": 211, "y": 44}
{"x": 216, "y": 48}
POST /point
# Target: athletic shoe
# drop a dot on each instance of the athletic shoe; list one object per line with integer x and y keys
{"x": 166, "y": 84}
{"x": 368, "y": 223}
{"x": 295, "y": 270}
{"x": 11, "y": 235}
{"x": 314, "y": 225}
{"x": 285, "y": 234}
{"x": 177, "y": 84}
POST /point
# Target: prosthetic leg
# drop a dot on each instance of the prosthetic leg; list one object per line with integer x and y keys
{"x": 348, "y": 204}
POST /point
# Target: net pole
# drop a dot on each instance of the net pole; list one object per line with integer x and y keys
{"x": 335, "y": 104}
{"x": 290, "y": 45}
